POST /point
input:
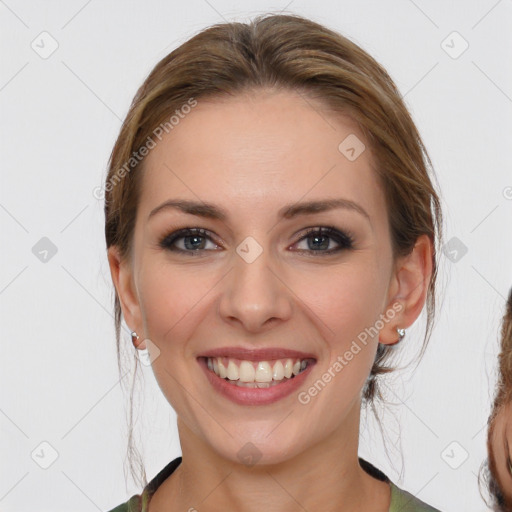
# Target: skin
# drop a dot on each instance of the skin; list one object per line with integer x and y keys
{"x": 252, "y": 155}
{"x": 500, "y": 444}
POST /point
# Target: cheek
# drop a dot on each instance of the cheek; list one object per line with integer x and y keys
{"x": 171, "y": 297}
{"x": 171, "y": 300}
{"x": 347, "y": 299}
{"x": 349, "y": 303}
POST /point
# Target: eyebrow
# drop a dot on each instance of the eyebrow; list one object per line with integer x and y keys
{"x": 211, "y": 211}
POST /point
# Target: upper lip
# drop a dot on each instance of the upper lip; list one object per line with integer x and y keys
{"x": 261, "y": 354}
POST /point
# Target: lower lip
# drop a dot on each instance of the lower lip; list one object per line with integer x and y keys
{"x": 254, "y": 396}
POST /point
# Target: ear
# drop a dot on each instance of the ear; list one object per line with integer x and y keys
{"x": 408, "y": 288}
{"x": 122, "y": 276}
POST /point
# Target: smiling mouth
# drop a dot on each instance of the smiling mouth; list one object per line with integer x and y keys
{"x": 256, "y": 374}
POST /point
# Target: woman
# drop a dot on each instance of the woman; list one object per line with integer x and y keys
{"x": 271, "y": 229}
{"x": 499, "y": 434}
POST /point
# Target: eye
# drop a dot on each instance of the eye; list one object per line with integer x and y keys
{"x": 321, "y": 238}
{"x": 194, "y": 240}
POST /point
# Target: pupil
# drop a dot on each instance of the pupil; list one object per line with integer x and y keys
{"x": 317, "y": 237}
{"x": 195, "y": 238}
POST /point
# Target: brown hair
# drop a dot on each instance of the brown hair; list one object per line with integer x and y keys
{"x": 502, "y": 398}
{"x": 286, "y": 52}
{"x": 504, "y": 385}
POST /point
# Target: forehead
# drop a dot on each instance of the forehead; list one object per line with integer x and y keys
{"x": 262, "y": 147}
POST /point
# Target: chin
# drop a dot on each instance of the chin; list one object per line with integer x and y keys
{"x": 258, "y": 450}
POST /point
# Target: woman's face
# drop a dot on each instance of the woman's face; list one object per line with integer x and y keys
{"x": 500, "y": 443}
{"x": 255, "y": 279}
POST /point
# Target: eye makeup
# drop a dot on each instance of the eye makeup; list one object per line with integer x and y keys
{"x": 344, "y": 240}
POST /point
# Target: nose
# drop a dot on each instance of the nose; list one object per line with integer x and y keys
{"x": 255, "y": 295}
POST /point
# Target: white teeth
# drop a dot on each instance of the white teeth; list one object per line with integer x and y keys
{"x": 254, "y": 384}
{"x": 232, "y": 373}
{"x": 222, "y": 369}
{"x": 288, "y": 368}
{"x": 246, "y": 371}
{"x": 278, "y": 372}
{"x": 261, "y": 374}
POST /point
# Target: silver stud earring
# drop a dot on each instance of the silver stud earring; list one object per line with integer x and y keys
{"x": 401, "y": 334}
{"x": 135, "y": 339}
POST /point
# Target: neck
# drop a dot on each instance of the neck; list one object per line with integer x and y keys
{"x": 326, "y": 476}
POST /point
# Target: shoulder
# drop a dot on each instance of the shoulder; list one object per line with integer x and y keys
{"x": 134, "y": 504}
{"x": 139, "y": 502}
{"x": 403, "y": 501}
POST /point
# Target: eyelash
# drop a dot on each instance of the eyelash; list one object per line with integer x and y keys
{"x": 344, "y": 239}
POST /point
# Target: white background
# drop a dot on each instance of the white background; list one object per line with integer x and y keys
{"x": 59, "y": 119}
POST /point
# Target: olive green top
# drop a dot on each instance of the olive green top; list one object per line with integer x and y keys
{"x": 401, "y": 501}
